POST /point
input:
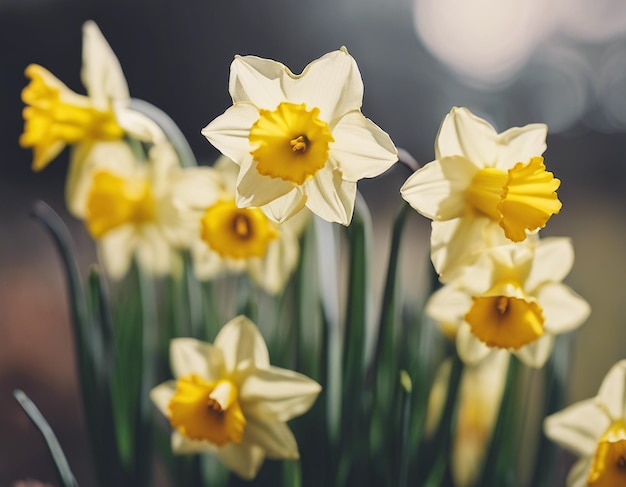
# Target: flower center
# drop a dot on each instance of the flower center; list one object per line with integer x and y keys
{"x": 207, "y": 411}
{"x": 114, "y": 201}
{"x": 291, "y": 142}
{"x": 50, "y": 121}
{"x": 238, "y": 233}
{"x": 520, "y": 199}
{"x": 609, "y": 463}
{"x": 504, "y": 317}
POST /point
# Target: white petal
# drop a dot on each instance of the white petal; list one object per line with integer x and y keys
{"x": 536, "y": 354}
{"x": 285, "y": 207}
{"x": 254, "y": 189}
{"x": 456, "y": 243}
{"x": 229, "y": 132}
{"x": 162, "y": 394}
{"x": 562, "y": 308}
{"x": 275, "y": 438}
{"x": 554, "y": 258}
{"x": 276, "y": 394}
{"x": 243, "y": 459}
{"x": 331, "y": 83}
{"x": 361, "y": 148}
{"x": 579, "y": 473}
{"x": 612, "y": 394}
{"x": 256, "y": 80}
{"x": 116, "y": 250}
{"x": 154, "y": 252}
{"x": 101, "y": 71}
{"x": 138, "y": 125}
{"x": 437, "y": 190}
{"x": 182, "y": 445}
{"x": 190, "y": 356}
{"x": 448, "y": 305}
{"x": 519, "y": 144}
{"x": 578, "y": 427}
{"x": 242, "y": 344}
{"x": 470, "y": 349}
{"x": 330, "y": 197}
{"x": 207, "y": 264}
{"x": 464, "y": 134}
{"x": 280, "y": 260}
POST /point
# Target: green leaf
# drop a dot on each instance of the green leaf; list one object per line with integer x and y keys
{"x": 91, "y": 331}
{"x": 66, "y": 477}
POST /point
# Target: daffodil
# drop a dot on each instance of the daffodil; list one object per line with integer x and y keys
{"x": 55, "y": 116}
{"x": 482, "y": 189}
{"x": 300, "y": 140}
{"x": 511, "y": 298}
{"x": 595, "y": 430}
{"x": 126, "y": 206}
{"x": 228, "y": 400}
{"x": 226, "y": 239}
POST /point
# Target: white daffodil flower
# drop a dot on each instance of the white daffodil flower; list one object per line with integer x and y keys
{"x": 223, "y": 238}
{"x": 300, "y": 140}
{"x": 511, "y": 298}
{"x": 126, "y": 206}
{"x": 227, "y": 399}
{"x": 55, "y": 116}
{"x": 483, "y": 188}
{"x": 595, "y": 430}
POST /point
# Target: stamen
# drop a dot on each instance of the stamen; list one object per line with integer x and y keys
{"x": 502, "y": 305}
{"x": 242, "y": 226}
{"x": 299, "y": 144}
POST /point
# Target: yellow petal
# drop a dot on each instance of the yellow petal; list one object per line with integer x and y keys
{"x": 609, "y": 463}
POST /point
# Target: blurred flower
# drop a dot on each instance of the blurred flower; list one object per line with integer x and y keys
{"x": 595, "y": 430}
{"x": 300, "y": 140}
{"x": 481, "y": 180}
{"x": 224, "y": 238}
{"x": 480, "y": 396}
{"x": 125, "y": 204}
{"x": 512, "y": 298}
{"x": 55, "y": 116}
{"x": 228, "y": 399}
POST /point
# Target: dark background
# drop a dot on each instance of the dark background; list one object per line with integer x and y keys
{"x": 176, "y": 55}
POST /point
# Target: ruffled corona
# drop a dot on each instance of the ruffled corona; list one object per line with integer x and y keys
{"x": 609, "y": 463}
{"x": 207, "y": 411}
{"x": 520, "y": 199}
{"x": 505, "y": 318}
{"x": 114, "y": 201}
{"x": 56, "y": 116}
{"x": 291, "y": 142}
{"x": 238, "y": 233}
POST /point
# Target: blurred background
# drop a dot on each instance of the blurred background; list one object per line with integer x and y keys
{"x": 561, "y": 62}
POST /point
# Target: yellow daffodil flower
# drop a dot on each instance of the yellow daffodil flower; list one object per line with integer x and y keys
{"x": 126, "y": 206}
{"x": 595, "y": 430}
{"x": 511, "y": 298}
{"x": 300, "y": 140}
{"x": 226, "y": 239}
{"x": 55, "y": 116}
{"x": 227, "y": 399}
{"x": 483, "y": 188}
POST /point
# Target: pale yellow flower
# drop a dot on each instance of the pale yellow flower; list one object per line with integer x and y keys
{"x": 482, "y": 189}
{"x": 228, "y": 400}
{"x": 300, "y": 140}
{"x": 595, "y": 430}
{"x": 511, "y": 298}
{"x": 226, "y": 239}
{"x": 55, "y": 116}
{"x": 126, "y": 206}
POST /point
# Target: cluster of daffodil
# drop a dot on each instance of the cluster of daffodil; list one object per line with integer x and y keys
{"x": 171, "y": 235}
